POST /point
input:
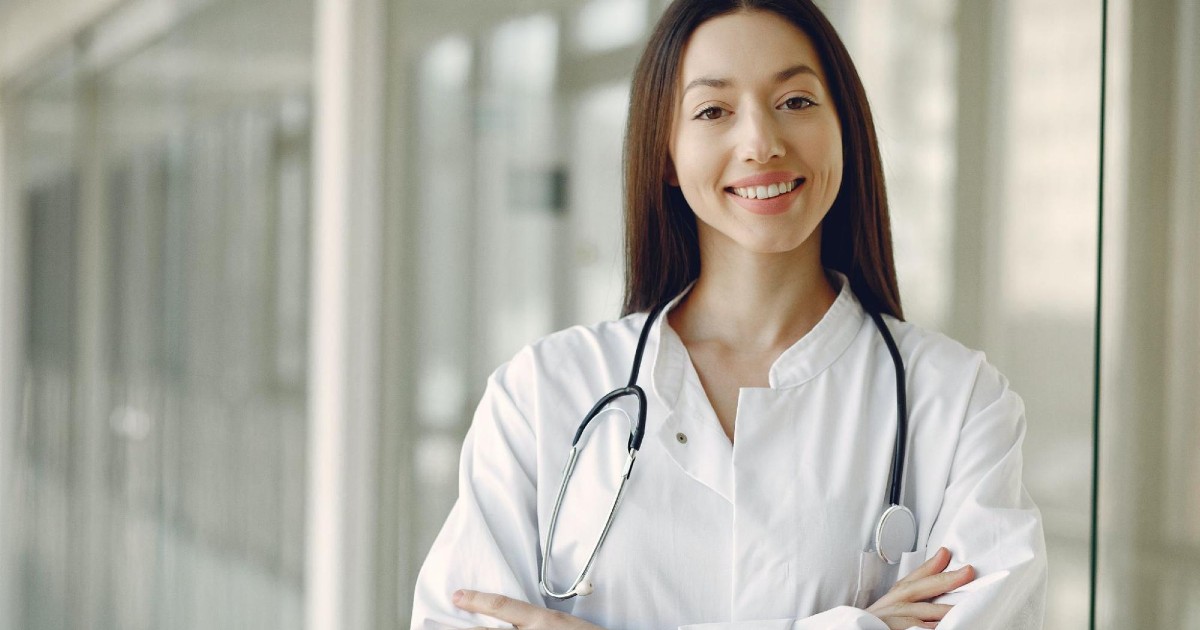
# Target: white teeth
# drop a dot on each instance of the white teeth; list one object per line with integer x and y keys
{"x": 765, "y": 192}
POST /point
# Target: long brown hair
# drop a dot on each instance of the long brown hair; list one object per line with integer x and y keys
{"x": 662, "y": 252}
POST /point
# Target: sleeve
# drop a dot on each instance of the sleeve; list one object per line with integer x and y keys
{"x": 988, "y": 520}
{"x": 490, "y": 539}
{"x": 839, "y": 618}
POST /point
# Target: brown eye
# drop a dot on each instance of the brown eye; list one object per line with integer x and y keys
{"x": 709, "y": 113}
{"x": 798, "y": 102}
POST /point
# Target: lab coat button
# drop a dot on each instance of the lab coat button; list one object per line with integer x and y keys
{"x": 681, "y": 438}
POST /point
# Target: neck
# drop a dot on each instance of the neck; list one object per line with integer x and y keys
{"x": 755, "y": 302}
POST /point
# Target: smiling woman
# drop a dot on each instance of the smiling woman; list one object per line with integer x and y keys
{"x": 735, "y": 141}
{"x": 778, "y": 392}
{"x": 824, "y": 67}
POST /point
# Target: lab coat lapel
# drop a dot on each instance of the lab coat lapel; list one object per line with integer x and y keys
{"x": 690, "y": 433}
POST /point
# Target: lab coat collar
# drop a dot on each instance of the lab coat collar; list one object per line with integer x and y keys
{"x": 689, "y": 431}
{"x": 805, "y": 359}
{"x": 821, "y": 346}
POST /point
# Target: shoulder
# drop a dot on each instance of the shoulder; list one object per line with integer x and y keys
{"x": 588, "y": 357}
{"x": 939, "y": 366}
{"x": 579, "y": 344}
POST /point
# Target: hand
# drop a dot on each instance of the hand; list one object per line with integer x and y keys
{"x": 907, "y": 603}
{"x": 520, "y": 614}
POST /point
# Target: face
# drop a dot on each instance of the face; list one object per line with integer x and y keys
{"x": 755, "y": 141}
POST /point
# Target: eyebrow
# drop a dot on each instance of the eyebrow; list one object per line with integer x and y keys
{"x": 780, "y": 77}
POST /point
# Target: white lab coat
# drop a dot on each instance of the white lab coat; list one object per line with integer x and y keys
{"x": 771, "y": 531}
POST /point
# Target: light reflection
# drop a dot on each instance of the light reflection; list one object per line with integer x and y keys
{"x": 602, "y": 25}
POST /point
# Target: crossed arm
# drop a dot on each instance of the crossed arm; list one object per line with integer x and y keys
{"x": 906, "y": 605}
{"x": 985, "y": 516}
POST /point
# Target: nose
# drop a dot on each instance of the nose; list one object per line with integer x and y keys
{"x": 758, "y": 138}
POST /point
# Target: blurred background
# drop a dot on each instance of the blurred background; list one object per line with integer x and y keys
{"x": 257, "y": 258}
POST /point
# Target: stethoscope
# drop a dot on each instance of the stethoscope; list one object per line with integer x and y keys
{"x": 895, "y": 534}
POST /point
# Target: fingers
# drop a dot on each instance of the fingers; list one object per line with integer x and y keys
{"x": 920, "y": 615}
{"x": 905, "y": 615}
{"x": 929, "y": 587}
{"x": 501, "y": 607}
{"x": 904, "y": 623}
{"x": 923, "y": 611}
{"x": 924, "y": 583}
{"x": 933, "y": 566}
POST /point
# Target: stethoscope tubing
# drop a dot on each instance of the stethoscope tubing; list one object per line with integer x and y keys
{"x": 898, "y": 454}
{"x": 894, "y": 514}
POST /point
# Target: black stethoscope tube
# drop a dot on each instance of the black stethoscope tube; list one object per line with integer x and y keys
{"x": 901, "y": 412}
{"x": 895, "y": 534}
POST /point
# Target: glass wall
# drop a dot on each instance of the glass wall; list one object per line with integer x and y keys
{"x": 42, "y": 445}
{"x": 1148, "y": 533}
{"x": 158, "y": 460}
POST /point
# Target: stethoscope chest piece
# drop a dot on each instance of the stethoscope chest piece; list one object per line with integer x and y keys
{"x": 895, "y": 534}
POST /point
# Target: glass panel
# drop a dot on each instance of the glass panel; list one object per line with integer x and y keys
{"x": 1148, "y": 529}
{"x": 446, "y": 256}
{"x": 1044, "y": 339}
{"x": 444, "y": 137}
{"x": 518, "y": 202}
{"x": 162, "y": 477}
{"x": 597, "y": 220}
{"x": 40, "y": 516}
{"x": 209, "y": 232}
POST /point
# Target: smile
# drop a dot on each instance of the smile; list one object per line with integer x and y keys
{"x": 766, "y": 192}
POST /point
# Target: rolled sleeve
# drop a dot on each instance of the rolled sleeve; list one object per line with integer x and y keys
{"x": 840, "y": 618}
{"x": 989, "y": 521}
{"x": 490, "y": 539}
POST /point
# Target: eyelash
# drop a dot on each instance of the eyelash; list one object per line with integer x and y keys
{"x": 806, "y": 103}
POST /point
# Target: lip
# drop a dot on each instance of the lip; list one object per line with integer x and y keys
{"x": 775, "y": 205}
{"x": 764, "y": 179}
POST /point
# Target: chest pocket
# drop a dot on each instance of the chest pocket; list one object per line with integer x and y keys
{"x": 876, "y": 577}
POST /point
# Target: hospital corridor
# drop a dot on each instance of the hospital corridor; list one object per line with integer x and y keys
{"x": 259, "y": 258}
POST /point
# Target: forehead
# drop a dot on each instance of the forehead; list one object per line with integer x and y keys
{"x": 746, "y": 46}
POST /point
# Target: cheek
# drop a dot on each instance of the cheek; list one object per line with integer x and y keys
{"x": 836, "y": 167}
{"x": 694, "y": 165}
{"x": 824, "y": 152}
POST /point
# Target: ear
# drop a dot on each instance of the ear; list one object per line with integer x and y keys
{"x": 672, "y": 178}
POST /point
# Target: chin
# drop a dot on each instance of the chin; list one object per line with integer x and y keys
{"x": 764, "y": 239}
{"x": 773, "y": 245}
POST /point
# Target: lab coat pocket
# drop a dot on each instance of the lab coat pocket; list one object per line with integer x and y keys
{"x": 876, "y": 577}
{"x": 909, "y": 561}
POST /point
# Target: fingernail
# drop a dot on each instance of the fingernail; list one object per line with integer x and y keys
{"x": 458, "y": 595}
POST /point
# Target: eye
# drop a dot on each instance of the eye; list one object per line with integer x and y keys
{"x": 712, "y": 112}
{"x": 798, "y": 102}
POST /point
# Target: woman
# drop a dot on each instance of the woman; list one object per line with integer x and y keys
{"x": 756, "y": 213}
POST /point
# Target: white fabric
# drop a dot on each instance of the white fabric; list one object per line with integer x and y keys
{"x": 772, "y": 531}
